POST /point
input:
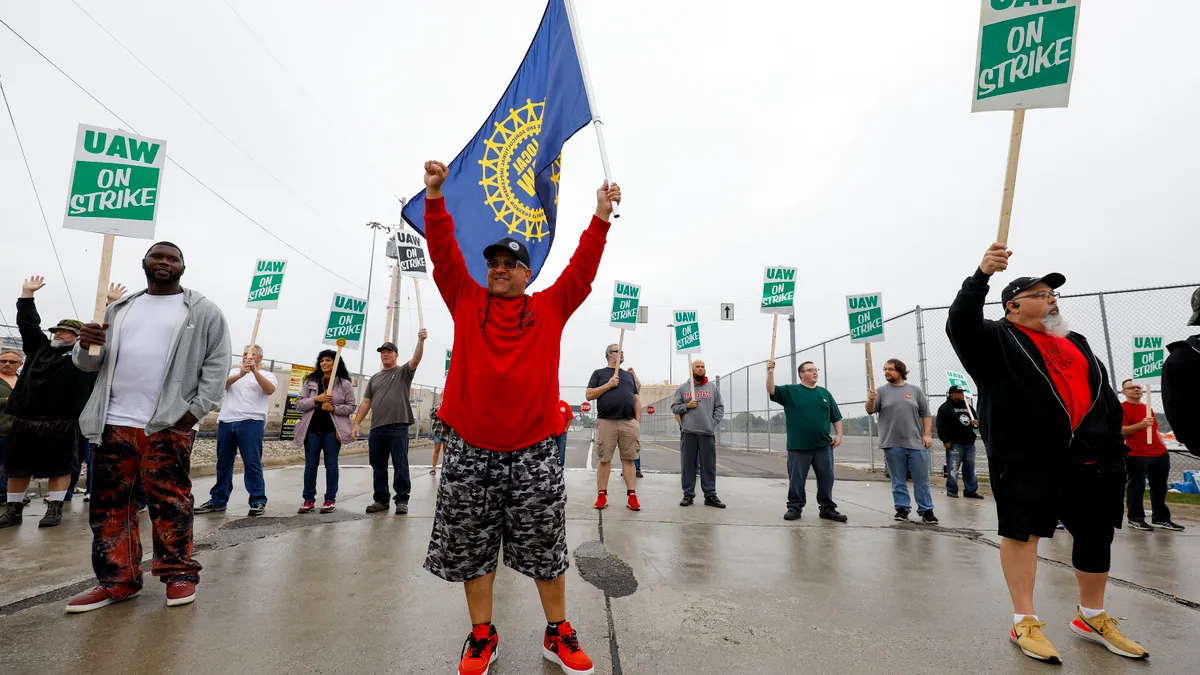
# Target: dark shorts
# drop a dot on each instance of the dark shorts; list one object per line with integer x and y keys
{"x": 488, "y": 499}
{"x": 42, "y": 448}
{"x": 1032, "y": 496}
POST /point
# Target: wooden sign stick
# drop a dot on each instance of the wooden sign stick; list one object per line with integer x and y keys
{"x": 774, "y": 333}
{"x": 254, "y": 335}
{"x": 970, "y": 413}
{"x": 620, "y": 348}
{"x": 1010, "y": 174}
{"x": 333, "y": 373}
{"x": 691, "y": 378}
{"x": 420, "y": 313}
{"x": 1149, "y": 413}
{"x": 102, "y": 286}
{"x": 870, "y": 368}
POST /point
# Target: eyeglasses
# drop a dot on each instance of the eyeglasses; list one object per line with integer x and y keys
{"x": 811, "y": 370}
{"x": 509, "y": 264}
{"x": 8, "y": 362}
{"x": 1040, "y": 295}
{"x": 1132, "y": 387}
{"x": 613, "y": 351}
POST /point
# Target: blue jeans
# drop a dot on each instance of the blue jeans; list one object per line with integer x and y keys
{"x": 85, "y": 452}
{"x": 561, "y": 442}
{"x": 389, "y": 440}
{"x": 901, "y": 461}
{"x": 637, "y": 464}
{"x": 314, "y": 444}
{"x": 961, "y": 455}
{"x": 245, "y": 436}
{"x": 821, "y": 461}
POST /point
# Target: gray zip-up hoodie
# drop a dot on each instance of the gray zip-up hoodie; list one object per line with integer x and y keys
{"x": 197, "y": 366}
{"x": 704, "y": 418}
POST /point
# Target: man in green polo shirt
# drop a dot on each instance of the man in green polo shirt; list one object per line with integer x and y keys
{"x": 808, "y": 411}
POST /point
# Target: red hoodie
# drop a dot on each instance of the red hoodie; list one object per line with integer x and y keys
{"x": 502, "y": 390}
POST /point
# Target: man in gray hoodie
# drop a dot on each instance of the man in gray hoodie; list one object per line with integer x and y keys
{"x": 698, "y": 420}
{"x": 164, "y": 353}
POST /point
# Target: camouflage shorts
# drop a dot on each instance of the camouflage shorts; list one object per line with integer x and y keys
{"x": 488, "y": 498}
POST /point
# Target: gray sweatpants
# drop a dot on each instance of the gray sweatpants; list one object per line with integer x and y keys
{"x": 705, "y": 447}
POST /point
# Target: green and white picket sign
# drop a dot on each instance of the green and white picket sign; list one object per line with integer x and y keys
{"x": 447, "y": 363}
{"x": 687, "y": 332}
{"x": 866, "y": 317}
{"x": 115, "y": 181}
{"x": 1025, "y": 54}
{"x": 958, "y": 379}
{"x": 779, "y": 290}
{"x": 1149, "y": 354}
{"x": 347, "y": 318}
{"x": 626, "y": 298}
{"x": 266, "y": 284}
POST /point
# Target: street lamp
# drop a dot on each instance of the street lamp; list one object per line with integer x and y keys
{"x": 362, "y": 351}
{"x": 670, "y": 354}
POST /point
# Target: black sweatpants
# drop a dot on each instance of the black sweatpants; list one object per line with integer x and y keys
{"x": 1138, "y": 470}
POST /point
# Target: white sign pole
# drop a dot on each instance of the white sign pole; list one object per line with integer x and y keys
{"x": 102, "y": 286}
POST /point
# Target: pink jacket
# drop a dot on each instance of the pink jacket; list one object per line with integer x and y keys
{"x": 343, "y": 407}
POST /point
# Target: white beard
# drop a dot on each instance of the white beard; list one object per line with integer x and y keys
{"x": 1055, "y": 324}
{"x": 55, "y": 343}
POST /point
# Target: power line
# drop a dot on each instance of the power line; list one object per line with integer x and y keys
{"x": 210, "y": 122}
{"x": 174, "y": 161}
{"x": 41, "y": 209}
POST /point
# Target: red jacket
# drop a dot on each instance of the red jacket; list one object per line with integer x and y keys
{"x": 502, "y": 390}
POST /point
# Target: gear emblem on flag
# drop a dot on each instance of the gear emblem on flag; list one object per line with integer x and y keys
{"x": 510, "y": 172}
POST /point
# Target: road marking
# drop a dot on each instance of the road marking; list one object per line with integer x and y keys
{"x": 719, "y": 465}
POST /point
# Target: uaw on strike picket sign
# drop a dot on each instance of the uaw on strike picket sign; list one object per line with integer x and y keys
{"x": 779, "y": 290}
{"x": 266, "y": 284}
{"x": 347, "y": 317}
{"x": 1149, "y": 355}
{"x": 625, "y": 306}
{"x": 866, "y": 317}
{"x": 1025, "y": 54}
{"x": 115, "y": 179}
{"x": 411, "y": 255}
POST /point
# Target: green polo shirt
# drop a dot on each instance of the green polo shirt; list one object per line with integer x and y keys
{"x": 808, "y": 414}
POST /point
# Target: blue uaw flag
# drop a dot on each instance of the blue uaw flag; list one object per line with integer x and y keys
{"x": 504, "y": 183}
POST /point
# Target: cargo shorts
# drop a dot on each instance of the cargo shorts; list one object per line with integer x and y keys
{"x": 614, "y": 435}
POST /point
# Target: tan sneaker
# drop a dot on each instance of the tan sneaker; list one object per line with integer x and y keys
{"x": 1103, "y": 630}
{"x": 1029, "y": 637}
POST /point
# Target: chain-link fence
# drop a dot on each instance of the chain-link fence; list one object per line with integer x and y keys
{"x": 917, "y": 337}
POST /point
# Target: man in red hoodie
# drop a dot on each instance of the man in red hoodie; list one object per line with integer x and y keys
{"x": 501, "y": 484}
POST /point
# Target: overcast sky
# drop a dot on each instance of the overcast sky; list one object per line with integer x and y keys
{"x": 832, "y": 136}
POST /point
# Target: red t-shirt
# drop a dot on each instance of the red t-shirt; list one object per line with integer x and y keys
{"x": 1138, "y": 447}
{"x": 565, "y": 415}
{"x": 504, "y": 375}
{"x": 1068, "y": 371}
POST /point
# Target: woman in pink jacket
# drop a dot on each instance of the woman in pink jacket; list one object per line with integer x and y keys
{"x": 323, "y": 427}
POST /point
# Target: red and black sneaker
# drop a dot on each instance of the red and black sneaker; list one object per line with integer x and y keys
{"x": 306, "y": 507}
{"x": 633, "y": 503}
{"x": 561, "y": 646}
{"x": 602, "y": 499}
{"x": 479, "y": 651}
{"x": 328, "y": 507}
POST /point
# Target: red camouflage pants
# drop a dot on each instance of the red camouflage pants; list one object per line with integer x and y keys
{"x": 160, "y": 463}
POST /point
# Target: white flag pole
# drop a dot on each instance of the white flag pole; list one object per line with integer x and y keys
{"x": 577, "y": 38}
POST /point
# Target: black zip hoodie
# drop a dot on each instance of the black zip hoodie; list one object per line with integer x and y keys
{"x": 1021, "y": 414}
{"x": 1181, "y": 391}
{"x": 949, "y": 422}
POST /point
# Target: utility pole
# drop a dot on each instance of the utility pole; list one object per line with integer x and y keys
{"x": 362, "y": 350}
{"x": 670, "y": 354}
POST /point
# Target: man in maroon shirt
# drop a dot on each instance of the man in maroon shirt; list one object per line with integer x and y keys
{"x": 501, "y": 484}
{"x": 1146, "y": 460}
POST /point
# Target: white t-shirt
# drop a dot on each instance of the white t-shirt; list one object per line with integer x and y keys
{"x": 245, "y": 400}
{"x": 143, "y": 347}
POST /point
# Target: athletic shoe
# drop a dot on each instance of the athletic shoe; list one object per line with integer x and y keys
{"x": 633, "y": 503}
{"x": 832, "y": 514}
{"x": 87, "y": 496}
{"x": 972, "y": 495}
{"x": 1167, "y": 525}
{"x": 639, "y": 474}
{"x": 377, "y": 507}
{"x": 714, "y": 501}
{"x": 401, "y": 508}
{"x": 1139, "y": 525}
{"x": 953, "y": 495}
{"x": 791, "y": 515}
{"x": 687, "y": 500}
{"x": 901, "y": 514}
{"x": 98, "y": 597}
{"x": 306, "y": 507}
{"x": 257, "y": 510}
{"x": 328, "y": 507}
{"x": 928, "y": 518}
{"x": 12, "y": 514}
{"x": 561, "y": 646}
{"x": 433, "y": 471}
{"x": 1029, "y": 637}
{"x": 180, "y": 593}
{"x": 53, "y": 515}
{"x": 1103, "y": 629}
{"x": 601, "y": 499}
{"x": 210, "y": 507}
{"x": 479, "y": 651}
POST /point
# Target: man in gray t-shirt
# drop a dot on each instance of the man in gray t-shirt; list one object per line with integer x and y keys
{"x": 387, "y": 394}
{"x": 905, "y": 435}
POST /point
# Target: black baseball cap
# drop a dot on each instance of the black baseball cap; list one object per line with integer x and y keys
{"x": 1053, "y": 280}
{"x": 388, "y": 346}
{"x": 956, "y": 390}
{"x": 1195, "y": 321}
{"x": 516, "y": 248}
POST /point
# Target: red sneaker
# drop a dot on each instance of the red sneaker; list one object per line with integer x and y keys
{"x": 633, "y": 503}
{"x": 180, "y": 593}
{"x": 328, "y": 507}
{"x": 306, "y": 507}
{"x": 479, "y": 651}
{"x": 563, "y": 648}
{"x": 99, "y": 597}
{"x": 602, "y": 499}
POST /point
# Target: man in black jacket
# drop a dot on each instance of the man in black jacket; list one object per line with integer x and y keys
{"x": 956, "y": 424}
{"x": 1052, "y": 426}
{"x": 1181, "y": 385}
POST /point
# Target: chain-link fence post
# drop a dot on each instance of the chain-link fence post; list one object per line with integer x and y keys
{"x": 748, "y": 415}
{"x": 921, "y": 353}
{"x": 1112, "y": 372}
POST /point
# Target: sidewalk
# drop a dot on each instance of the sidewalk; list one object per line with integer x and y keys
{"x": 689, "y": 590}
